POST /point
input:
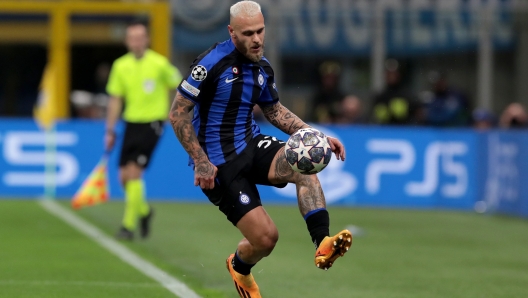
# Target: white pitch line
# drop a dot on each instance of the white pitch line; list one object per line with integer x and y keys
{"x": 78, "y": 283}
{"x": 126, "y": 255}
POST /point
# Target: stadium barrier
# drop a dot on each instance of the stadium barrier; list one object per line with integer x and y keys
{"x": 385, "y": 166}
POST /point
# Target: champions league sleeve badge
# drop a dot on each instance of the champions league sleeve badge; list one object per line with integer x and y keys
{"x": 199, "y": 73}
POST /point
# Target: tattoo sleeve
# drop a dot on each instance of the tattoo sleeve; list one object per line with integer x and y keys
{"x": 310, "y": 195}
{"x": 181, "y": 123}
{"x": 283, "y": 119}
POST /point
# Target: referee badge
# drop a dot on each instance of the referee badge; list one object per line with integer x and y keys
{"x": 244, "y": 199}
{"x": 149, "y": 85}
{"x": 260, "y": 79}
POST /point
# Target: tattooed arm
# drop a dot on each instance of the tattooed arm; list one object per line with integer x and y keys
{"x": 288, "y": 122}
{"x": 204, "y": 170}
{"x": 283, "y": 119}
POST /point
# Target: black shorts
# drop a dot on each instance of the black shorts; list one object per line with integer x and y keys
{"x": 235, "y": 191}
{"x": 139, "y": 142}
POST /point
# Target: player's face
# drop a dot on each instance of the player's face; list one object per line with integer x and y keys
{"x": 247, "y": 34}
{"x": 137, "y": 39}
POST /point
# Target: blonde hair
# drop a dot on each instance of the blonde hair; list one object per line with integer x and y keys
{"x": 244, "y": 8}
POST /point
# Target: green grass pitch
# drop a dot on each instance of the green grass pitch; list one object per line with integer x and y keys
{"x": 402, "y": 253}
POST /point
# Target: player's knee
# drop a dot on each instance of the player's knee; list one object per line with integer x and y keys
{"x": 133, "y": 171}
{"x": 267, "y": 242}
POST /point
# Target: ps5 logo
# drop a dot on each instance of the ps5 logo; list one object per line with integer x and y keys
{"x": 439, "y": 158}
{"x": 25, "y": 150}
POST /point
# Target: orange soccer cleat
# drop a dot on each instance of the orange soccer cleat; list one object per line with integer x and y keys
{"x": 332, "y": 248}
{"x": 244, "y": 284}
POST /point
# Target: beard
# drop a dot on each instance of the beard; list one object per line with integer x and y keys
{"x": 255, "y": 57}
{"x": 246, "y": 51}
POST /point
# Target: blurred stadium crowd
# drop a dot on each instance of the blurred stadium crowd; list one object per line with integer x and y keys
{"x": 317, "y": 85}
{"x": 440, "y": 104}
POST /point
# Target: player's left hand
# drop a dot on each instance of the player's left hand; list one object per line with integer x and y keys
{"x": 204, "y": 173}
{"x": 337, "y": 147}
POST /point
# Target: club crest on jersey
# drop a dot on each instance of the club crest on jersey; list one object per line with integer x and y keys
{"x": 199, "y": 73}
{"x": 235, "y": 70}
{"x": 244, "y": 199}
{"x": 260, "y": 79}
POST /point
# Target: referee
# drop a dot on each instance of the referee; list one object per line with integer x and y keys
{"x": 140, "y": 80}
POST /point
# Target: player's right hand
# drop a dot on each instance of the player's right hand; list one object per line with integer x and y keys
{"x": 109, "y": 140}
{"x": 204, "y": 174}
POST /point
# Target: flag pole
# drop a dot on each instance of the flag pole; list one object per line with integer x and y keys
{"x": 50, "y": 162}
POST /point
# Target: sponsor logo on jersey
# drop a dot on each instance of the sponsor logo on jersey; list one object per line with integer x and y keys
{"x": 231, "y": 80}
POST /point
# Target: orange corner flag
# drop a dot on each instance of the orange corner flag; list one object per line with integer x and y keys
{"x": 94, "y": 189}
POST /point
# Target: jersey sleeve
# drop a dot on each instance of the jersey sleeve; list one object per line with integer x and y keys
{"x": 115, "y": 87}
{"x": 270, "y": 94}
{"x": 193, "y": 85}
{"x": 171, "y": 75}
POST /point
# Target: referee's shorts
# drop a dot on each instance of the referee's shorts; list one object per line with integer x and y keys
{"x": 139, "y": 142}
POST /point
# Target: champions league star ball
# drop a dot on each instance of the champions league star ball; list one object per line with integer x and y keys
{"x": 307, "y": 151}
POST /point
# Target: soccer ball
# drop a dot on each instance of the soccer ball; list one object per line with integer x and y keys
{"x": 307, "y": 151}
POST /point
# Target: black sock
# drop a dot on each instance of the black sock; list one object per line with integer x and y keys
{"x": 239, "y": 265}
{"x": 318, "y": 223}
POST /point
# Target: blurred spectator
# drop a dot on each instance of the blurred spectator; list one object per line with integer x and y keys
{"x": 514, "y": 116}
{"x": 326, "y": 100}
{"x": 350, "y": 111}
{"x": 101, "y": 97}
{"x": 445, "y": 106}
{"x": 83, "y": 104}
{"x": 102, "y": 72}
{"x": 92, "y": 105}
{"x": 483, "y": 119}
{"x": 395, "y": 104}
{"x": 86, "y": 104}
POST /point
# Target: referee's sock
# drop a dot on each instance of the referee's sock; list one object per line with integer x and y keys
{"x": 318, "y": 223}
{"x": 143, "y": 206}
{"x": 135, "y": 203}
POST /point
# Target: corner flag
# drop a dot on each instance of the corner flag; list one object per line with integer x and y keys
{"x": 45, "y": 111}
{"x": 94, "y": 189}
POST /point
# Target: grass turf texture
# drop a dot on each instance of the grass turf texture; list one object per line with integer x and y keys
{"x": 40, "y": 256}
{"x": 403, "y": 254}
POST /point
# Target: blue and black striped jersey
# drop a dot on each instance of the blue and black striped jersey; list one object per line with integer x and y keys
{"x": 225, "y": 85}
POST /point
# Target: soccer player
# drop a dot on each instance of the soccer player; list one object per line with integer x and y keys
{"x": 230, "y": 155}
{"x": 141, "y": 79}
